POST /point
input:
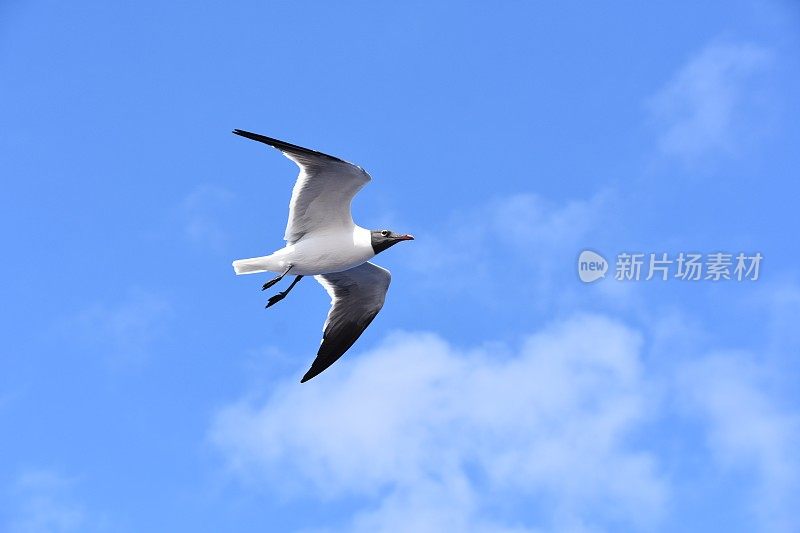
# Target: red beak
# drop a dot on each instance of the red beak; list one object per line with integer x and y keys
{"x": 405, "y": 238}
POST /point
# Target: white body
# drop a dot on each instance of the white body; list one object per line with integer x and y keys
{"x": 321, "y": 252}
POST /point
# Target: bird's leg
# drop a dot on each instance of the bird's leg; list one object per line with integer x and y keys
{"x": 273, "y": 281}
{"x": 281, "y": 295}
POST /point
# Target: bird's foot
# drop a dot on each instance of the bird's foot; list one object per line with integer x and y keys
{"x": 275, "y": 299}
{"x": 270, "y": 283}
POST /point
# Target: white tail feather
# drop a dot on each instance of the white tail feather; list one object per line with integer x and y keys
{"x": 252, "y": 266}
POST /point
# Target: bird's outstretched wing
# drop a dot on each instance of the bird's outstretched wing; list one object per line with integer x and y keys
{"x": 323, "y": 192}
{"x": 356, "y": 297}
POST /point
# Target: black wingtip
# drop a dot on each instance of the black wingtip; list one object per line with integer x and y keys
{"x": 283, "y": 145}
{"x": 313, "y": 372}
{"x": 254, "y": 136}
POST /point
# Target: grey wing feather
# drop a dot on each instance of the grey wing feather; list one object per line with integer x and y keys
{"x": 357, "y": 295}
{"x": 323, "y": 192}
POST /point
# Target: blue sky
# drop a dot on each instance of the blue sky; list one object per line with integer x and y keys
{"x": 143, "y": 387}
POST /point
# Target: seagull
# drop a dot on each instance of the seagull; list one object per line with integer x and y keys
{"x": 323, "y": 241}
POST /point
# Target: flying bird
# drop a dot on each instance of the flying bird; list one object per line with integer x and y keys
{"x": 323, "y": 241}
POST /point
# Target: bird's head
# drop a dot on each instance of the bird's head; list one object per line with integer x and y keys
{"x": 384, "y": 238}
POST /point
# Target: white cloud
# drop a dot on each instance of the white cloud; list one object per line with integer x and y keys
{"x": 748, "y": 428}
{"x": 199, "y": 212}
{"x": 436, "y": 438}
{"x": 710, "y": 104}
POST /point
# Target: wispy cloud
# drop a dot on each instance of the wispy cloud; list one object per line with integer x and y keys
{"x": 525, "y": 235}
{"x": 44, "y": 505}
{"x": 708, "y": 107}
{"x": 123, "y": 331}
{"x": 199, "y": 212}
{"x": 447, "y": 437}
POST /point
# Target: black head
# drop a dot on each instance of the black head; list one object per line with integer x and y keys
{"x": 383, "y": 239}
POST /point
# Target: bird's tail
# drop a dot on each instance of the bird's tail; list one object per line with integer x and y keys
{"x": 253, "y": 265}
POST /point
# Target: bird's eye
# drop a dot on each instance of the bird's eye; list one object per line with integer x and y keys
{"x": 386, "y": 233}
